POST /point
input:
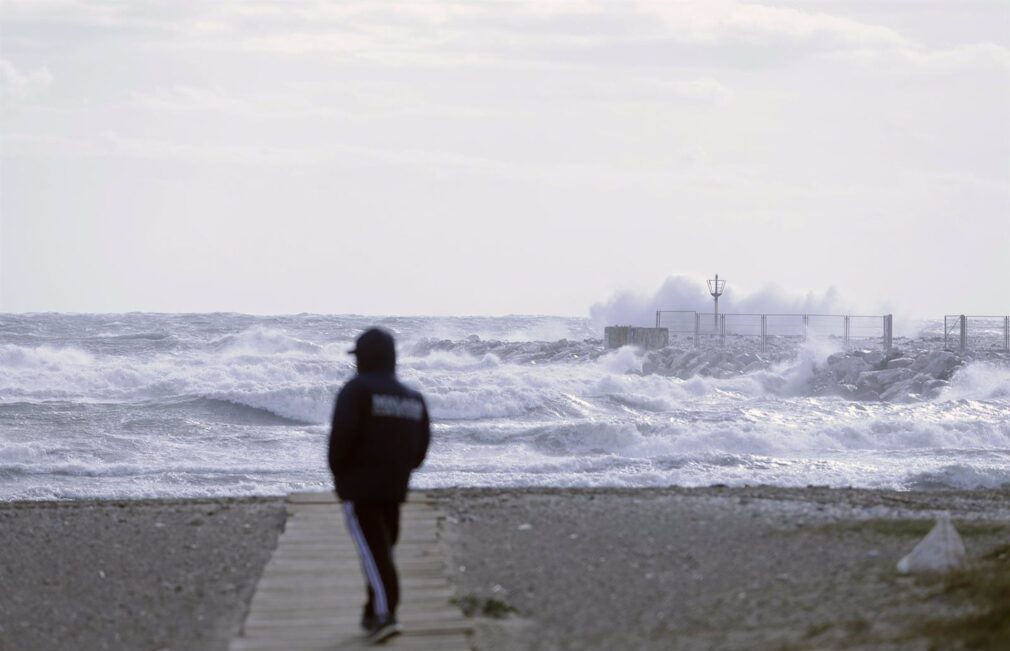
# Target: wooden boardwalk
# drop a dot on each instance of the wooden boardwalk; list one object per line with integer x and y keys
{"x": 312, "y": 590}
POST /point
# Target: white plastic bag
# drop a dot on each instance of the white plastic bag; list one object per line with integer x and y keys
{"x": 940, "y": 551}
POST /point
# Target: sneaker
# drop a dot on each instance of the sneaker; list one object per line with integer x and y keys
{"x": 383, "y": 629}
{"x": 368, "y": 621}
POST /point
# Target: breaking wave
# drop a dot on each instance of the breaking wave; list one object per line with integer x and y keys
{"x": 980, "y": 381}
{"x": 261, "y": 341}
{"x": 226, "y": 403}
{"x": 296, "y": 379}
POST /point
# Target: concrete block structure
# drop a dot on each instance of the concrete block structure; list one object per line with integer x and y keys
{"x": 648, "y": 338}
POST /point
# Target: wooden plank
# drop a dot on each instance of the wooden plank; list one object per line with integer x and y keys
{"x": 309, "y": 535}
{"x": 311, "y": 592}
{"x": 353, "y": 605}
{"x": 327, "y": 523}
{"x": 336, "y": 522}
{"x": 407, "y": 642}
{"x": 415, "y": 621}
{"x": 306, "y": 548}
{"x": 279, "y": 588}
{"x": 329, "y": 497}
{"x": 313, "y": 564}
{"x": 409, "y": 507}
{"x": 335, "y": 606}
{"x": 334, "y": 512}
{"x": 335, "y": 630}
{"x": 355, "y": 598}
{"x": 413, "y": 643}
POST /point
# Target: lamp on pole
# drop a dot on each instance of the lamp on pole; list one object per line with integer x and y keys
{"x": 715, "y": 288}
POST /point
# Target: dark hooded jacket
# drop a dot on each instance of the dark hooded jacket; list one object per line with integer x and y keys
{"x": 380, "y": 429}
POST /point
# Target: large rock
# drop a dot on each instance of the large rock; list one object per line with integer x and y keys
{"x": 685, "y": 359}
{"x": 874, "y": 358}
{"x": 698, "y": 368}
{"x": 883, "y": 379}
{"x": 847, "y": 370}
{"x": 900, "y": 362}
{"x": 893, "y": 353}
{"x": 904, "y": 391}
{"x": 853, "y": 392}
{"x": 933, "y": 387}
{"x": 939, "y": 364}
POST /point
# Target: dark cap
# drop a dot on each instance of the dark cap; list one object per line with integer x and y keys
{"x": 375, "y": 350}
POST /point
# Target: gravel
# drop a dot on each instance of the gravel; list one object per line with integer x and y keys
{"x": 712, "y": 568}
{"x": 149, "y": 575}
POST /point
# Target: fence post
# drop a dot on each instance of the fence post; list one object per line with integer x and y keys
{"x": 846, "y": 336}
{"x": 657, "y": 319}
{"x": 697, "y": 330}
{"x": 722, "y": 329}
{"x": 764, "y": 332}
{"x": 964, "y": 333}
{"x": 888, "y": 331}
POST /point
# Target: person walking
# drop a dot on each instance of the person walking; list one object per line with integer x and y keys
{"x": 380, "y": 434}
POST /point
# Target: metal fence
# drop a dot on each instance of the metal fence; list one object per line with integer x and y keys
{"x": 708, "y": 327}
{"x": 976, "y": 332}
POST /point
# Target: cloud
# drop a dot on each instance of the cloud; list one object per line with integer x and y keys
{"x": 534, "y": 31}
{"x": 722, "y": 21}
{"x": 973, "y": 55}
{"x": 183, "y": 98}
{"x": 683, "y": 292}
{"x": 528, "y": 34}
{"x": 702, "y": 90}
{"x": 956, "y": 59}
{"x": 15, "y": 84}
{"x": 110, "y": 144}
{"x": 367, "y": 100}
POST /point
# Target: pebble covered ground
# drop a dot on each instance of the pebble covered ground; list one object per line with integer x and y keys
{"x": 706, "y": 568}
{"x": 710, "y": 568}
{"x": 153, "y": 575}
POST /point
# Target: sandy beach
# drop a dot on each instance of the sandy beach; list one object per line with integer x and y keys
{"x": 710, "y": 568}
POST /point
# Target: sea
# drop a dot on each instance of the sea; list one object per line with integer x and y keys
{"x": 187, "y": 405}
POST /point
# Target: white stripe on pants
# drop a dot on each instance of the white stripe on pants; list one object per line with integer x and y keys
{"x": 367, "y": 560}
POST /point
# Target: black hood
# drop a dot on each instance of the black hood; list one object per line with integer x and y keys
{"x": 376, "y": 351}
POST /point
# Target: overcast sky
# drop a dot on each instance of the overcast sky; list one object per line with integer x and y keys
{"x": 500, "y": 157}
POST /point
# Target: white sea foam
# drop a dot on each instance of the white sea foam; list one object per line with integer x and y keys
{"x": 29, "y": 359}
{"x": 261, "y": 341}
{"x": 980, "y": 381}
{"x": 225, "y": 404}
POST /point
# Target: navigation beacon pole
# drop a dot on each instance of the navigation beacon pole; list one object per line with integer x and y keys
{"x": 715, "y": 288}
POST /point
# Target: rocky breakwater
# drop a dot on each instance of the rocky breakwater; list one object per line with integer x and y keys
{"x": 892, "y": 375}
{"x": 687, "y": 362}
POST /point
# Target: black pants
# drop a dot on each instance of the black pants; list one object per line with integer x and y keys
{"x": 375, "y": 527}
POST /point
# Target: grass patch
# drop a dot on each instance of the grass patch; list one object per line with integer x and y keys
{"x": 855, "y": 629}
{"x": 816, "y": 629}
{"x": 472, "y": 605}
{"x": 987, "y": 587}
